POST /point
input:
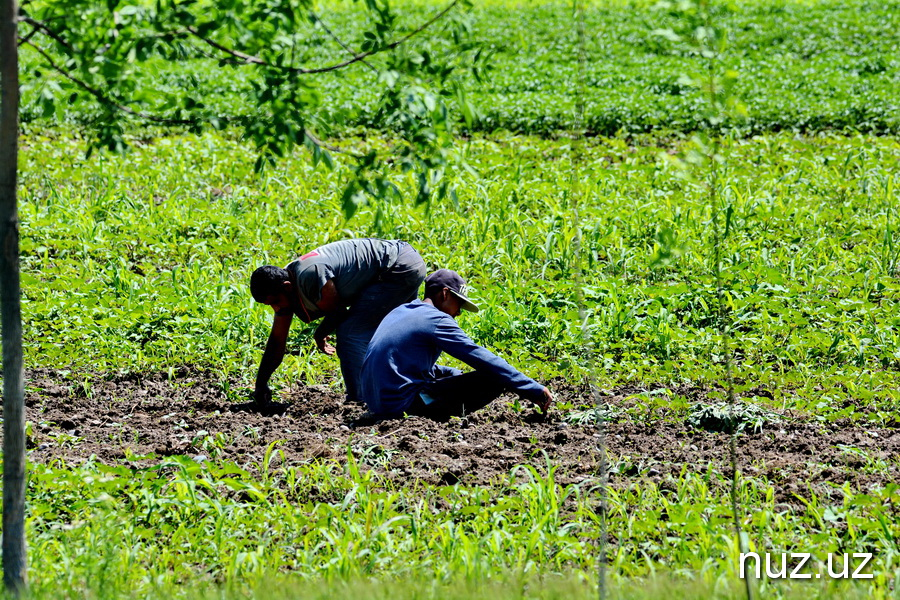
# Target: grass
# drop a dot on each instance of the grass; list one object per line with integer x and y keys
{"x": 545, "y": 588}
{"x": 124, "y": 531}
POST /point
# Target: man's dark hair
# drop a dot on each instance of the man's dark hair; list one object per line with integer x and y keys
{"x": 432, "y": 292}
{"x": 268, "y": 281}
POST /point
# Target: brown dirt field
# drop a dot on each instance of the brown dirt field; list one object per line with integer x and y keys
{"x": 149, "y": 414}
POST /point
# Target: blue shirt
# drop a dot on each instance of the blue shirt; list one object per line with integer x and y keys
{"x": 402, "y": 355}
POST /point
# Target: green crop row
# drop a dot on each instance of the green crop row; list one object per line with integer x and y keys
{"x": 119, "y": 531}
{"x": 801, "y": 66}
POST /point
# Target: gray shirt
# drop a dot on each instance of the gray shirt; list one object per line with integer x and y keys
{"x": 352, "y": 264}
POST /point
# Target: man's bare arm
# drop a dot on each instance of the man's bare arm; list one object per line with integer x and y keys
{"x": 330, "y": 303}
{"x": 273, "y": 355}
{"x": 330, "y": 300}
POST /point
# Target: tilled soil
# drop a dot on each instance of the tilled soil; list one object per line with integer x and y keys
{"x": 117, "y": 417}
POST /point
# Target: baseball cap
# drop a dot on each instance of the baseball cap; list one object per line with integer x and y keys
{"x": 445, "y": 278}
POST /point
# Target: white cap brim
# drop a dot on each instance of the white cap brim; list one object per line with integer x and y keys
{"x": 466, "y": 303}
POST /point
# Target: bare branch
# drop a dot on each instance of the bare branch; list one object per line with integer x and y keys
{"x": 390, "y": 46}
{"x": 23, "y": 39}
{"x": 332, "y": 35}
{"x": 103, "y": 98}
{"x": 328, "y": 147}
{"x": 39, "y": 26}
{"x": 249, "y": 58}
{"x": 415, "y": 32}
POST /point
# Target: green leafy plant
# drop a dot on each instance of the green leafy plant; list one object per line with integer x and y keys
{"x": 723, "y": 417}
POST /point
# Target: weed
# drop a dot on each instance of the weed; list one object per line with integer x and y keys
{"x": 722, "y": 417}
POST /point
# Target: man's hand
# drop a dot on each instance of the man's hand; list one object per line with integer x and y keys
{"x": 544, "y": 404}
{"x": 323, "y": 345}
{"x": 262, "y": 394}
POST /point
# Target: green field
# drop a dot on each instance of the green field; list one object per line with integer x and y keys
{"x": 805, "y": 67}
{"x": 141, "y": 261}
{"x": 138, "y": 263}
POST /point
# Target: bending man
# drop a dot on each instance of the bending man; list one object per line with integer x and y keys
{"x": 353, "y": 284}
{"x": 400, "y": 374}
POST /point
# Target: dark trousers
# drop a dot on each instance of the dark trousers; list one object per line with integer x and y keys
{"x": 399, "y": 285}
{"x": 457, "y": 394}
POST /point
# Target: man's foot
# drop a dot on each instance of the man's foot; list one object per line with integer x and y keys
{"x": 266, "y": 409}
{"x": 348, "y": 401}
{"x": 364, "y": 420}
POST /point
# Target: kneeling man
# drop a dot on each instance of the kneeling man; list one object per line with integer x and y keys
{"x": 400, "y": 374}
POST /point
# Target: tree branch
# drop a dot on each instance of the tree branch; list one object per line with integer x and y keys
{"x": 106, "y": 100}
{"x": 332, "y": 35}
{"x": 328, "y": 147}
{"x": 392, "y": 45}
{"x": 39, "y": 26}
{"x": 24, "y": 39}
{"x": 249, "y": 58}
{"x": 103, "y": 98}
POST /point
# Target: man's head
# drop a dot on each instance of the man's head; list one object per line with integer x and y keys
{"x": 447, "y": 291}
{"x": 271, "y": 285}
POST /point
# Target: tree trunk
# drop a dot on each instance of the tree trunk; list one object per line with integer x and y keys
{"x": 14, "y": 558}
